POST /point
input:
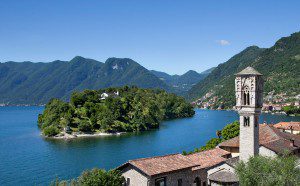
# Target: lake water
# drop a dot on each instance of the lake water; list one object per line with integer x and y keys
{"x": 28, "y": 159}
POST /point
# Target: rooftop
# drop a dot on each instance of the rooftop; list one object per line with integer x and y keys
{"x": 223, "y": 176}
{"x": 208, "y": 158}
{"x": 249, "y": 71}
{"x": 288, "y": 125}
{"x": 173, "y": 162}
{"x": 270, "y": 137}
{"x": 162, "y": 164}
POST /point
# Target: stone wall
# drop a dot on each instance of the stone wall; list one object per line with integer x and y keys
{"x": 188, "y": 176}
{"x": 136, "y": 177}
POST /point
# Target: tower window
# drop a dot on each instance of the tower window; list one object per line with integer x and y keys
{"x": 246, "y": 96}
{"x": 246, "y": 121}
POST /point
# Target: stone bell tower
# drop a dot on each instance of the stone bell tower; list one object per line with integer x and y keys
{"x": 249, "y": 101}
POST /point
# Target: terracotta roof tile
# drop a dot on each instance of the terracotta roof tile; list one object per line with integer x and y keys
{"x": 162, "y": 164}
{"x": 288, "y": 125}
{"x": 223, "y": 176}
{"x": 208, "y": 158}
{"x": 271, "y": 138}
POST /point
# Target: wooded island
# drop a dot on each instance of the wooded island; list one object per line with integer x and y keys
{"x": 112, "y": 110}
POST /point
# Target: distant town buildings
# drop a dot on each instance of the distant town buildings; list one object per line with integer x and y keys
{"x": 289, "y": 127}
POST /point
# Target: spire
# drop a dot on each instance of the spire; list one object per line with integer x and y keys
{"x": 249, "y": 71}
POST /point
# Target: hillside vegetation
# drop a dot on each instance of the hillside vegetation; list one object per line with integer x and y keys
{"x": 125, "y": 109}
{"x": 279, "y": 64}
{"x": 37, "y": 83}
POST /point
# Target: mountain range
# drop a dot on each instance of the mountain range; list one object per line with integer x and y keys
{"x": 280, "y": 65}
{"x": 182, "y": 83}
{"x": 37, "y": 83}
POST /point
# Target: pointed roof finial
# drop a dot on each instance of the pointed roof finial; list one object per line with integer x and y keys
{"x": 249, "y": 71}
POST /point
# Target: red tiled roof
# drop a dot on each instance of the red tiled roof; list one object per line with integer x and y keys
{"x": 271, "y": 138}
{"x": 288, "y": 125}
{"x": 162, "y": 164}
{"x": 173, "y": 162}
{"x": 208, "y": 158}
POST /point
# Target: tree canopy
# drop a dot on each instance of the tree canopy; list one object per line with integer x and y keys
{"x": 94, "y": 177}
{"x": 229, "y": 131}
{"x": 125, "y": 109}
{"x": 265, "y": 171}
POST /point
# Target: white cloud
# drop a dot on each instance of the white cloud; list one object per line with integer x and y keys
{"x": 223, "y": 42}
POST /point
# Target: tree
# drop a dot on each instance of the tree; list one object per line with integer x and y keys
{"x": 94, "y": 177}
{"x": 51, "y": 131}
{"x": 230, "y": 131}
{"x": 212, "y": 143}
{"x": 260, "y": 170}
{"x": 219, "y": 133}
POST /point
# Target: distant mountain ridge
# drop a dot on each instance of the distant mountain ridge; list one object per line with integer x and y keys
{"x": 280, "y": 65}
{"x": 182, "y": 83}
{"x": 37, "y": 83}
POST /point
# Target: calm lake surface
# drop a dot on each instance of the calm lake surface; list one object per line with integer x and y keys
{"x": 28, "y": 159}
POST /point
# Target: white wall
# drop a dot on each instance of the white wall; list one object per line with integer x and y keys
{"x": 266, "y": 152}
{"x": 136, "y": 178}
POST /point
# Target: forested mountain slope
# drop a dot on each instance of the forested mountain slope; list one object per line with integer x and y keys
{"x": 37, "y": 83}
{"x": 280, "y": 65}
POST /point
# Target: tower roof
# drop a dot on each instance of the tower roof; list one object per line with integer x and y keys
{"x": 249, "y": 71}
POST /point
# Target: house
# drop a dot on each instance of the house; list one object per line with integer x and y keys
{"x": 290, "y": 127}
{"x": 173, "y": 169}
{"x": 105, "y": 95}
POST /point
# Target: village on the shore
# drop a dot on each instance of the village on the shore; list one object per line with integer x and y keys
{"x": 273, "y": 103}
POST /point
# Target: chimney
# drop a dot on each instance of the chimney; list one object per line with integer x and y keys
{"x": 292, "y": 142}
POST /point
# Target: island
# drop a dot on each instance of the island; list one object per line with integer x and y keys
{"x": 111, "y": 111}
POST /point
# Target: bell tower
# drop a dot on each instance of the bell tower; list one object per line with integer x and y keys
{"x": 249, "y": 101}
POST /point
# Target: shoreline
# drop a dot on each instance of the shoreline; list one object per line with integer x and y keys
{"x": 67, "y": 136}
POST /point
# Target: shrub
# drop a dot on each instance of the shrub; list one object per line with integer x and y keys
{"x": 94, "y": 177}
{"x": 260, "y": 170}
{"x": 51, "y": 130}
{"x": 231, "y": 130}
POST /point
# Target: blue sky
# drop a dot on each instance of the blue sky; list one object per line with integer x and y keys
{"x": 166, "y": 35}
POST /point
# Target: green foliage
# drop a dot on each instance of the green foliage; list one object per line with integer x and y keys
{"x": 212, "y": 143}
{"x": 37, "y": 83}
{"x": 134, "y": 109}
{"x": 265, "y": 171}
{"x": 94, "y": 177}
{"x": 279, "y": 65}
{"x": 231, "y": 130}
{"x": 51, "y": 130}
{"x": 289, "y": 110}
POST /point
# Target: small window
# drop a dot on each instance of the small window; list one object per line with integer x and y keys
{"x": 246, "y": 121}
{"x": 128, "y": 181}
{"x": 160, "y": 182}
{"x": 197, "y": 181}
{"x": 204, "y": 183}
{"x": 179, "y": 182}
